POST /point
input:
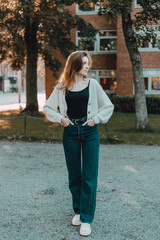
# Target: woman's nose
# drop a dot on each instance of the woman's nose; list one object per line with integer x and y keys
{"x": 87, "y": 66}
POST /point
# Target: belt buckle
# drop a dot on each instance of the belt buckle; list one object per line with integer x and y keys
{"x": 75, "y": 121}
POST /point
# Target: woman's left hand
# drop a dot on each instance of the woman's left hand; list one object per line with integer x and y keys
{"x": 90, "y": 122}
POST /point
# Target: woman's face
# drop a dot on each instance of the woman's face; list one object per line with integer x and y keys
{"x": 85, "y": 67}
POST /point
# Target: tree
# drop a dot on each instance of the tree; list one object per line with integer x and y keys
{"x": 132, "y": 26}
{"x": 29, "y": 28}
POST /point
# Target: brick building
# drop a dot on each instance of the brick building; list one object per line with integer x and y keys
{"x": 111, "y": 64}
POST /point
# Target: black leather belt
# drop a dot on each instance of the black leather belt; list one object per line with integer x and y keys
{"x": 78, "y": 120}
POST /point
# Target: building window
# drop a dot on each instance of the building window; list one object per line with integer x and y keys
{"x": 154, "y": 43}
{"x": 151, "y": 80}
{"x": 93, "y": 74}
{"x": 106, "y": 78}
{"x": 156, "y": 83}
{"x": 146, "y": 83}
{"x": 84, "y": 43}
{"x": 105, "y": 41}
{"x": 86, "y": 8}
{"x": 137, "y": 3}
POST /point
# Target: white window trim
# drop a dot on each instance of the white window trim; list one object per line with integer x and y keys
{"x": 150, "y": 48}
{"x": 98, "y": 77}
{"x": 150, "y": 91}
{"x": 97, "y": 43}
{"x": 149, "y": 73}
{"x": 77, "y": 38}
{"x": 97, "y": 74}
{"x": 136, "y": 5}
{"x": 79, "y": 12}
{"x": 104, "y": 37}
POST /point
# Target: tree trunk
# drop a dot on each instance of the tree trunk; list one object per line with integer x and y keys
{"x": 31, "y": 69}
{"x": 140, "y": 98}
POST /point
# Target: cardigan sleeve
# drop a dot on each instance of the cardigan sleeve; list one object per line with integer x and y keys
{"x": 105, "y": 107}
{"x": 51, "y": 107}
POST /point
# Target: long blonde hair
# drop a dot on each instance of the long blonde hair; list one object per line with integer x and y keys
{"x": 73, "y": 65}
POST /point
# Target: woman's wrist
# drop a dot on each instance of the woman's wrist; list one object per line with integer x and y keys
{"x": 93, "y": 121}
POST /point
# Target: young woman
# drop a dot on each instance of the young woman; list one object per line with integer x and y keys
{"x": 79, "y": 104}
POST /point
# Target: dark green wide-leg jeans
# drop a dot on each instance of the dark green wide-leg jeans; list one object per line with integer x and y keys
{"x": 81, "y": 147}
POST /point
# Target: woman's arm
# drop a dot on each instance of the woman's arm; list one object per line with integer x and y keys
{"x": 105, "y": 107}
{"x": 51, "y": 107}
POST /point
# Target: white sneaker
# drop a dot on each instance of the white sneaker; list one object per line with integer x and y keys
{"x": 76, "y": 220}
{"x": 85, "y": 229}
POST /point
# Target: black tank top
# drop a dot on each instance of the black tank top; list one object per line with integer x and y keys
{"x": 77, "y": 103}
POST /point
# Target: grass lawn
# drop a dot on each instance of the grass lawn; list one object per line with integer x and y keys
{"x": 120, "y": 129}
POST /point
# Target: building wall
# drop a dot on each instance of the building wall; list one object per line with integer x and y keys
{"x": 100, "y": 61}
{"x": 150, "y": 59}
{"x": 124, "y": 68}
{"x": 118, "y": 61}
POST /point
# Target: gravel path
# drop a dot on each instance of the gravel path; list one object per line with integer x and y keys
{"x": 35, "y": 203}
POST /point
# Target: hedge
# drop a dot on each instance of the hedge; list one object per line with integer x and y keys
{"x": 127, "y": 104}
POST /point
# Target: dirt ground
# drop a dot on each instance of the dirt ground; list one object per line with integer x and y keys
{"x": 36, "y": 202}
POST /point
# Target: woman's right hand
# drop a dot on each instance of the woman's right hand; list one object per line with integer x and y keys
{"x": 66, "y": 121}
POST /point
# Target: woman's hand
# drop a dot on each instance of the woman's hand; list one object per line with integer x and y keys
{"x": 90, "y": 122}
{"x": 65, "y": 122}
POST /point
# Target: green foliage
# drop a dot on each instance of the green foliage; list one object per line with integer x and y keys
{"x": 123, "y": 103}
{"x": 148, "y": 14}
{"x": 54, "y": 23}
{"x": 153, "y": 104}
{"x": 127, "y": 104}
{"x": 32, "y": 28}
{"x": 86, "y": 29}
{"x": 111, "y": 8}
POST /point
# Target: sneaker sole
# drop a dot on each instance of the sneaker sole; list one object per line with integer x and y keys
{"x": 76, "y": 224}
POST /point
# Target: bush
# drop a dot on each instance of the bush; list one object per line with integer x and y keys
{"x": 127, "y": 104}
{"x": 153, "y": 104}
{"x": 123, "y": 103}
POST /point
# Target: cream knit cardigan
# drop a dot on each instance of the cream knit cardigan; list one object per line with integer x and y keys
{"x": 99, "y": 106}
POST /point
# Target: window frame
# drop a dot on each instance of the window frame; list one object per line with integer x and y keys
{"x": 154, "y": 90}
{"x": 150, "y": 48}
{"x": 78, "y": 38}
{"x": 79, "y": 12}
{"x": 97, "y": 42}
{"x": 105, "y": 37}
{"x": 150, "y": 73}
{"x": 98, "y": 77}
{"x": 136, "y": 5}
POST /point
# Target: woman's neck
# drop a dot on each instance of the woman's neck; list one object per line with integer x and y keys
{"x": 79, "y": 79}
{"x": 80, "y": 83}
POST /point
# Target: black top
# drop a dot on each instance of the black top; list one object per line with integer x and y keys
{"x": 77, "y": 103}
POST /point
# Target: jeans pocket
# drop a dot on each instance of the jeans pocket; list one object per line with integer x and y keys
{"x": 90, "y": 126}
{"x": 67, "y": 125}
